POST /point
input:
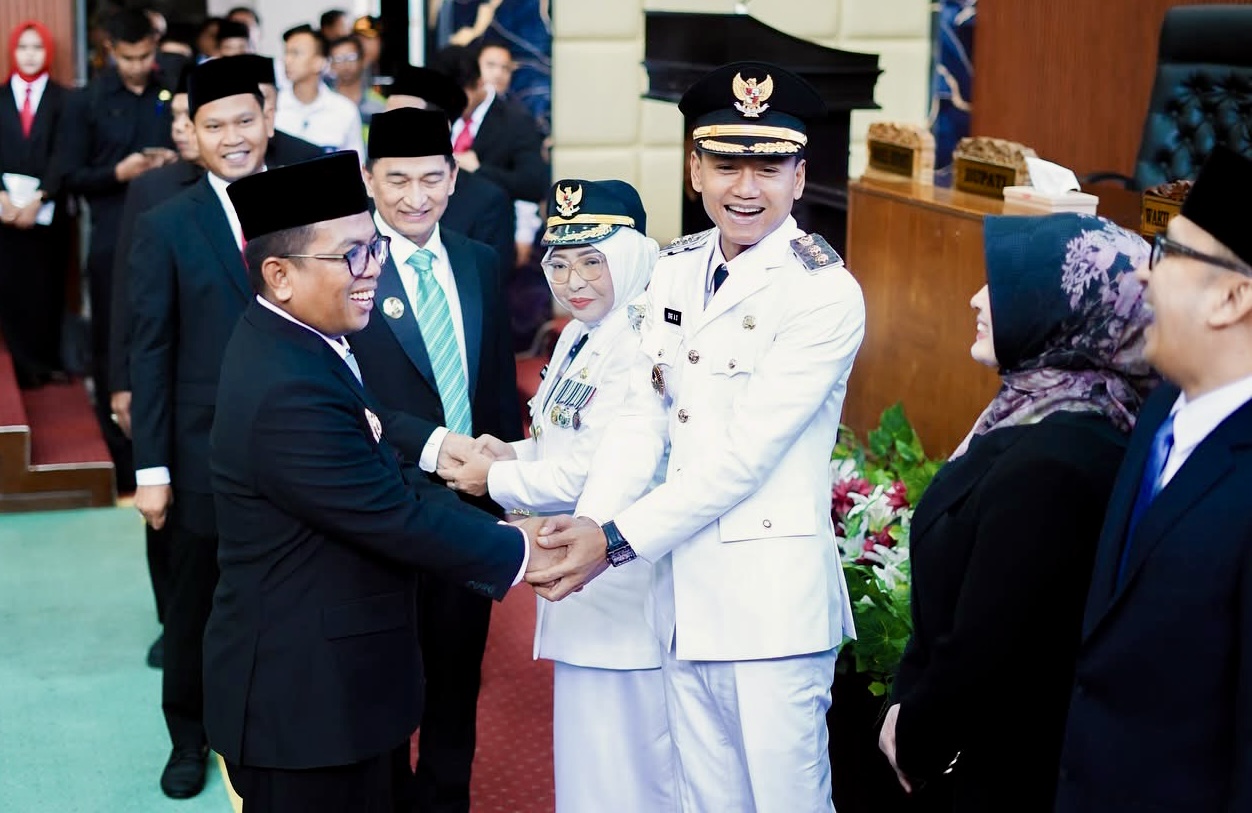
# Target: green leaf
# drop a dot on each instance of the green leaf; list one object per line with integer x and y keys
{"x": 878, "y": 688}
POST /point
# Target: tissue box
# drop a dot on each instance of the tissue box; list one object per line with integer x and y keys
{"x": 1028, "y": 197}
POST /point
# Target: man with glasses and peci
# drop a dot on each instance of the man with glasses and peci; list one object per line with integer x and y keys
{"x": 1159, "y": 716}
{"x": 438, "y": 354}
{"x": 312, "y": 667}
{"x": 188, "y": 286}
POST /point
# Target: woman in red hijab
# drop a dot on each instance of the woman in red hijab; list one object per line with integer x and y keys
{"x": 34, "y": 228}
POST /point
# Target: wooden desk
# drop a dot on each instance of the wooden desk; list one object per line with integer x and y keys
{"x": 918, "y": 253}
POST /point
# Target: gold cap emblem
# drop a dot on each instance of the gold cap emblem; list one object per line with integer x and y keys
{"x": 751, "y": 95}
{"x": 393, "y": 307}
{"x": 568, "y": 199}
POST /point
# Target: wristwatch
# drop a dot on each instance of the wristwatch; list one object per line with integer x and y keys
{"x": 619, "y": 551}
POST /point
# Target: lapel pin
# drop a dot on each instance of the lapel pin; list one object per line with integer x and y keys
{"x": 749, "y": 322}
{"x": 393, "y": 307}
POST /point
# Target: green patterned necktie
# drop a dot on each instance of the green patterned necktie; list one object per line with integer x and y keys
{"x": 434, "y": 320}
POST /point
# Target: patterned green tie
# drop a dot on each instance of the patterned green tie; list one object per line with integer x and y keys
{"x": 434, "y": 320}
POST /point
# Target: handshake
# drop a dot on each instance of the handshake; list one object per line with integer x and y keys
{"x": 565, "y": 552}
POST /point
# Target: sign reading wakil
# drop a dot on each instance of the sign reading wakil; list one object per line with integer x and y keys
{"x": 983, "y": 178}
{"x": 891, "y": 158}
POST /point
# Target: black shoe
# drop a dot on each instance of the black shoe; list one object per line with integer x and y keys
{"x": 183, "y": 776}
{"x": 156, "y": 652}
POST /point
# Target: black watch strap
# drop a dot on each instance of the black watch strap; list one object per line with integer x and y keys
{"x": 619, "y": 551}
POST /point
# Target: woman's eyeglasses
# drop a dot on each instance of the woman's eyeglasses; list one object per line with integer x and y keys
{"x": 589, "y": 269}
{"x": 1162, "y": 247}
{"x": 356, "y": 257}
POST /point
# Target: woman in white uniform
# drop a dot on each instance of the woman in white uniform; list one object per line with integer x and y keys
{"x": 612, "y": 747}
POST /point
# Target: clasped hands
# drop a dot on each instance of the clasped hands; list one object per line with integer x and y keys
{"x": 565, "y": 552}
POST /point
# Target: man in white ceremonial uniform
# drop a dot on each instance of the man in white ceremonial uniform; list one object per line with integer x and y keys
{"x": 749, "y": 338}
{"x": 608, "y": 664}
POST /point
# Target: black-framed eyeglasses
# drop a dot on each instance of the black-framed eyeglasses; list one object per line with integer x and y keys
{"x": 356, "y": 257}
{"x": 1162, "y": 247}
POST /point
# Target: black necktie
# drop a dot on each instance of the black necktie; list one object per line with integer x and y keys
{"x": 719, "y": 276}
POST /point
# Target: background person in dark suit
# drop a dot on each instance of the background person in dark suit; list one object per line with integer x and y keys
{"x": 1002, "y": 542}
{"x": 188, "y": 287}
{"x": 480, "y": 209}
{"x": 1160, "y": 719}
{"x": 438, "y": 353}
{"x": 312, "y": 665}
{"x": 33, "y": 255}
{"x": 494, "y": 136}
{"x": 113, "y": 131}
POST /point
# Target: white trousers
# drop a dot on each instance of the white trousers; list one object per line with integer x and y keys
{"x": 750, "y": 736}
{"x": 611, "y": 745}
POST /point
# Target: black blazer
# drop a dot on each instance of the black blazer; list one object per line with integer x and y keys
{"x": 1001, "y": 551}
{"x": 1161, "y": 715}
{"x": 188, "y": 286}
{"x": 147, "y": 191}
{"x": 509, "y": 147}
{"x": 311, "y": 654}
{"x": 397, "y": 370}
{"x": 480, "y": 210}
{"x": 37, "y": 156}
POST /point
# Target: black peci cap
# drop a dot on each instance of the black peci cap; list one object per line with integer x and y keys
{"x": 217, "y": 79}
{"x": 325, "y": 188}
{"x": 590, "y": 211}
{"x": 262, "y": 67}
{"x": 1217, "y": 201}
{"x": 409, "y": 132}
{"x": 230, "y": 29}
{"x": 431, "y": 86}
{"x": 751, "y": 109}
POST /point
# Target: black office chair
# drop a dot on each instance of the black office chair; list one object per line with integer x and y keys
{"x": 1202, "y": 95}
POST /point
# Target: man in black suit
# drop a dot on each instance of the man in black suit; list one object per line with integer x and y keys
{"x": 1160, "y": 717}
{"x": 113, "y": 131}
{"x": 480, "y": 209}
{"x": 188, "y": 286}
{"x": 494, "y": 136}
{"x": 438, "y": 352}
{"x": 312, "y": 665}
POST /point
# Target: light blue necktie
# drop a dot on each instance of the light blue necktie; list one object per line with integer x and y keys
{"x": 434, "y": 320}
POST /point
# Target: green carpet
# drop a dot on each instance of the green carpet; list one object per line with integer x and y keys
{"x": 80, "y": 712}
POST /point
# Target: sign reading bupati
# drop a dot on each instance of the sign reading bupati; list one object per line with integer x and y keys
{"x": 1160, "y": 204}
{"x": 901, "y": 150}
{"x": 984, "y": 166}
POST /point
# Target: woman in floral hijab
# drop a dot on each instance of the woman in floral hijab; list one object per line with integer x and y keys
{"x": 1002, "y": 542}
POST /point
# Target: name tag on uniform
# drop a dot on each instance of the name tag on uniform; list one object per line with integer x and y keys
{"x": 673, "y": 317}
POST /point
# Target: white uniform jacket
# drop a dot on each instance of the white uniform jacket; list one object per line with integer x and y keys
{"x": 605, "y": 625}
{"x": 753, "y": 387}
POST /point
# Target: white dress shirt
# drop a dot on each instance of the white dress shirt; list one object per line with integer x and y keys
{"x": 330, "y": 120}
{"x": 160, "y": 475}
{"x": 340, "y": 346}
{"x": 19, "y": 85}
{"x": 401, "y": 249}
{"x": 475, "y": 118}
{"x": 1196, "y": 420}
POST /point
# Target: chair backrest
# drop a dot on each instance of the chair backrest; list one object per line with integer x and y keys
{"x": 1202, "y": 95}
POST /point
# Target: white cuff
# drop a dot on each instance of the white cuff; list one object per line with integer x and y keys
{"x": 430, "y": 452}
{"x": 525, "y": 556}
{"x": 155, "y": 476}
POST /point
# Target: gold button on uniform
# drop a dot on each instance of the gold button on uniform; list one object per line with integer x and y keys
{"x": 767, "y": 524}
{"x": 693, "y": 356}
{"x": 731, "y": 364}
{"x": 683, "y": 416}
